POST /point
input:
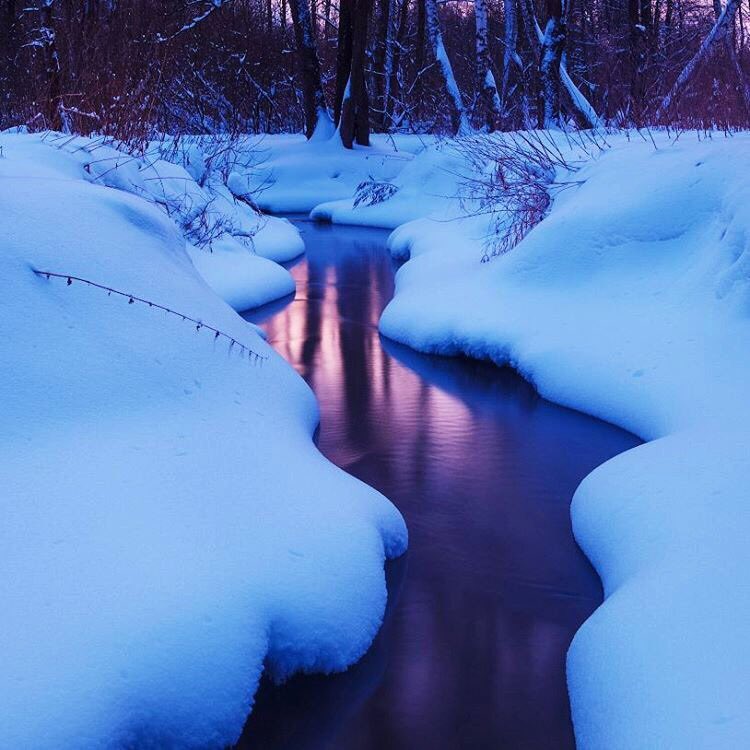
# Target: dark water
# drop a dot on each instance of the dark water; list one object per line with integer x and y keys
{"x": 484, "y": 605}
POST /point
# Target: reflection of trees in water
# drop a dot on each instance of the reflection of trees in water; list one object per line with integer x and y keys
{"x": 483, "y": 470}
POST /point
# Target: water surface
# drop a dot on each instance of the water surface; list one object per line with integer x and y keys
{"x": 484, "y": 605}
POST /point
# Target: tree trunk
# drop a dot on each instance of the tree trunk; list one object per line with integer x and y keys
{"x": 485, "y": 78}
{"x": 388, "y": 58}
{"x": 421, "y": 33}
{"x": 734, "y": 61}
{"x": 317, "y": 119}
{"x": 582, "y": 109}
{"x": 395, "y": 88}
{"x": 510, "y": 56}
{"x": 458, "y": 112}
{"x": 9, "y": 43}
{"x": 718, "y": 33}
{"x": 639, "y": 22}
{"x": 343, "y": 57}
{"x": 56, "y": 118}
{"x": 354, "y": 125}
{"x": 553, "y": 45}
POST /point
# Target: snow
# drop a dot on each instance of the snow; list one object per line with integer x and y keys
{"x": 425, "y": 185}
{"x": 629, "y": 301}
{"x": 291, "y": 176}
{"x": 169, "y": 528}
{"x": 236, "y": 248}
{"x": 147, "y": 572}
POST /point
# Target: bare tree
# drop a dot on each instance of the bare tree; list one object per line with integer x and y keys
{"x": 485, "y": 77}
{"x": 510, "y": 54}
{"x": 131, "y": 68}
{"x": 354, "y": 125}
{"x": 317, "y": 120}
{"x": 47, "y": 41}
{"x": 581, "y": 107}
{"x": 459, "y": 120}
{"x": 718, "y": 32}
{"x": 390, "y": 25}
{"x": 553, "y": 45}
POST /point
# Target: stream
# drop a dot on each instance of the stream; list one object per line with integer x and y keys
{"x": 483, "y": 606}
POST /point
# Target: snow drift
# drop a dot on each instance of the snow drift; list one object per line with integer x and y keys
{"x": 167, "y": 524}
{"x": 629, "y": 301}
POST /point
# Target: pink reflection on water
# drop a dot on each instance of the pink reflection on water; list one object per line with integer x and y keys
{"x": 483, "y": 608}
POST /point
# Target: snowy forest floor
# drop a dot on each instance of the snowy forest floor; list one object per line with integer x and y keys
{"x": 150, "y": 511}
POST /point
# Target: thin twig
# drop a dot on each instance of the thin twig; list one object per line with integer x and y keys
{"x": 253, "y": 356}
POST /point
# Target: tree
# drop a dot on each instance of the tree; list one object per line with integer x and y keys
{"x": 390, "y": 24}
{"x": 354, "y": 120}
{"x": 317, "y": 120}
{"x": 485, "y": 77}
{"x": 579, "y": 104}
{"x": 718, "y": 33}
{"x": 130, "y": 68}
{"x": 553, "y": 45}
{"x": 510, "y": 55}
{"x": 459, "y": 121}
{"x": 343, "y": 56}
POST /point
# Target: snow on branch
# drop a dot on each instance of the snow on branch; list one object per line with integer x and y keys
{"x": 252, "y": 355}
{"x": 211, "y": 7}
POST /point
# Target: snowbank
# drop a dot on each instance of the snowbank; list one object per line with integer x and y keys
{"x": 167, "y": 523}
{"x": 235, "y": 248}
{"x": 286, "y": 176}
{"x": 630, "y": 301}
{"x": 424, "y": 186}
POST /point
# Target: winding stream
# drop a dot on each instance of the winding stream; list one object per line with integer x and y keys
{"x": 484, "y": 605}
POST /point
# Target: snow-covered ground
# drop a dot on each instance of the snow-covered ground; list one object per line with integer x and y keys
{"x": 289, "y": 175}
{"x": 147, "y": 569}
{"x": 167, "y": 524}
{"x": 630, "y": 301}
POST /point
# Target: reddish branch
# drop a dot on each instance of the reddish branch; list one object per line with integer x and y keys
{"x": 253, "y": 356}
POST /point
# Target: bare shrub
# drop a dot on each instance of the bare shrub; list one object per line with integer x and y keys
{"x": 513, "y": 177}
{"x": 371, "y": 192}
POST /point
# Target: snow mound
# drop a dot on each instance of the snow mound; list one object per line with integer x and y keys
{"x": 630, "y": 301}
{"x": 168, "y": 525}
{"x": 285, "y": 176}
{"x": 233, "y": 245}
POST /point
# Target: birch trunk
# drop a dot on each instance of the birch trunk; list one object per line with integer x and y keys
{"x": 485, "y": 78}
{"x": 343, "y": 57}
{"x": 510, "y": 56}
{"x": 458, "y": 112}
{"x": 717, "y": 34}
{"x": 582, "y": 108}
{"x": 395, "y": 85}
{"x": 553, "y": 44}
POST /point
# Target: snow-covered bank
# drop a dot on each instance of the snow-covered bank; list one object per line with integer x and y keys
{"x": 286, "y": 175}
{"x": 167, "y": 523}
{"x": 630, "y": 301}
{"x": 235, "y": 248}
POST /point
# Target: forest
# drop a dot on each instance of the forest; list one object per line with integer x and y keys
{"x": 133, "y": 68}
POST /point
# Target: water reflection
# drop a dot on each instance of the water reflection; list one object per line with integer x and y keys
{"x": 483, "y": 607}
